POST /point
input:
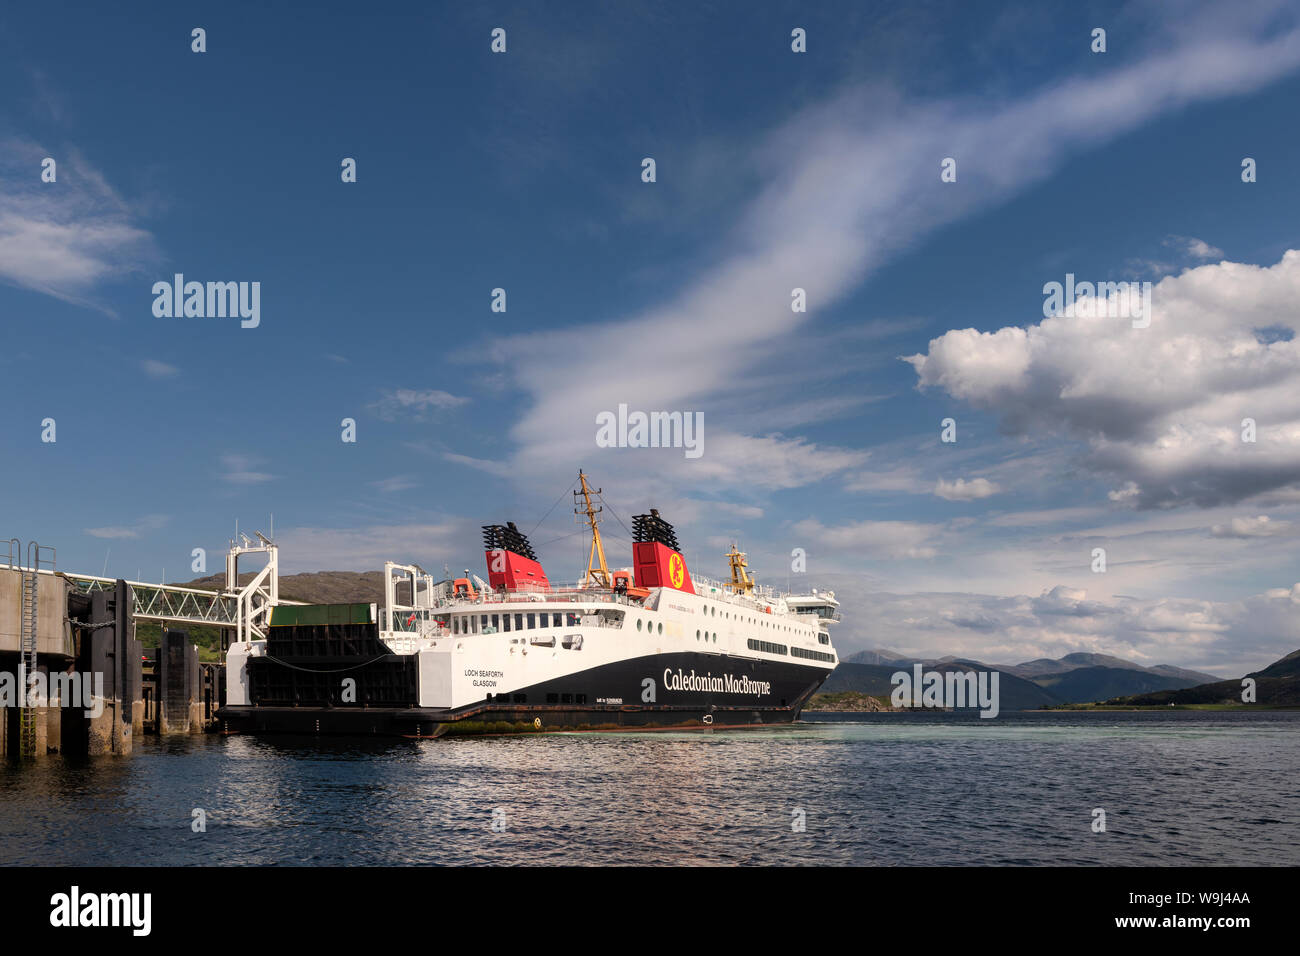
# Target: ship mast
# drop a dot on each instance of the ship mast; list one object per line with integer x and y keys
{"x": 596, "y": 573}
{"x": 742, "y": 581}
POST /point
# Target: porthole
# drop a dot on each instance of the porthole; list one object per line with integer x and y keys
{"x": 638, "y": 624}
{"x": 661, "y": 627}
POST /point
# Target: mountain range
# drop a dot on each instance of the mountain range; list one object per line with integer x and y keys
{"x": 1074, "y": 678}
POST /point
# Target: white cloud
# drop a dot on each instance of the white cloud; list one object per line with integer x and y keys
{"x": 429, "y": 544}
{"x": 394, "y": 484}
{"x": 1197, "y": 248}
{"x": 846, "y": 185}
{"x": 869, "y": 540}
{"x": 415, "y": 404}
{"x": 145, "y": 524}
{"x": 1161, "y": 407}
{"x": 1260, "y": 526}
{"x": 1221, "y": 637}
{"x": 155, "y": 369}
{"x": 963, "y": 490}
{"x": 64, "y": 238}
{"x": 241, "y": 470}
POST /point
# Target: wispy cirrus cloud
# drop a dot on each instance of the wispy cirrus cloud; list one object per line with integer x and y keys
{"x": 237, "y": 469}
{"x": 846, "y": 185}
{"x": 67, "y": 237}
{"x": 414, "y": 404}
{"x": 135, "y": 530}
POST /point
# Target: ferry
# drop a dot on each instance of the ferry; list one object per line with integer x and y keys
{"x": 646, "y": 646}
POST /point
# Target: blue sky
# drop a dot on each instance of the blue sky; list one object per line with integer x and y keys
{"x": 819, "y": 170}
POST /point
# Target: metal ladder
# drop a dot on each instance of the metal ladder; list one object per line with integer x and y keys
{"x": 27, "y": 646}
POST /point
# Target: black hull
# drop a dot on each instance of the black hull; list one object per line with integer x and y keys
{"x": 609, "y": 697}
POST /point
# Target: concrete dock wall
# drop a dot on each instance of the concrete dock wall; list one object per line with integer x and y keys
{"x": 53, "y": 633}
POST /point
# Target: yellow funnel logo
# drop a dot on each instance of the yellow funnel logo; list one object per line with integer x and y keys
{"x": 676, "y": 570}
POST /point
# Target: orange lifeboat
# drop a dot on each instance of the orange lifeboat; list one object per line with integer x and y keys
{"x": 623, "y": 583}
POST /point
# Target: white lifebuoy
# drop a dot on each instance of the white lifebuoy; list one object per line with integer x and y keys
{"x": 537, "y": 722}
{"x": 708, "y": 718}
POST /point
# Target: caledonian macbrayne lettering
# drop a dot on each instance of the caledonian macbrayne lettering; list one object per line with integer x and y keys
{"x": 721, "y": 684}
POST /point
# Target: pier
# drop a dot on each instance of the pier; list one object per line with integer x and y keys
{"x": 74, "y": 678}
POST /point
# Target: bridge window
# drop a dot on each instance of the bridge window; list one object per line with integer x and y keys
{"x": 543, "y": 620}
{"x": 532, "y": 621}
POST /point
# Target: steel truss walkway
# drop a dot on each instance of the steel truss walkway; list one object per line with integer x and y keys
{"x": 247, "y": 610}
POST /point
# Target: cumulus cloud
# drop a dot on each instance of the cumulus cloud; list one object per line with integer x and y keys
{"x": 1195, "y": 248}
{"x": 1161, "y": 408}
{"x": 963, "y": 490}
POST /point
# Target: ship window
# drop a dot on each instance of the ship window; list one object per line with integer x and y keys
{"x": 519, "y": 622}
{"x": 555, "y": 619}
{"x": 661, "y": 628}
{"x": 483, "y": 622}
{"x": 552, "y": 698}
{"x": 638, "y": 624}
{"x": 697, "y": 635}
{"x": 521, "y": 698}
{"x": 543, "y": 620}
{"x": 505, "y": 621}
{"x": 579, "y": 698}
{"x": 566, "y": 698}
{"x": 532, "y": 621}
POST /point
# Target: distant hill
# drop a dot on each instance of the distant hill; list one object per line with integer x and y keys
{"x": 1277, "y": 685}
{"x": 320, "y": 587}
{"x": 1083, "y": 684}
{"x": 1074, "y": 678}
{"x": 1043, "y": 667}
{"x": 871, "y": 679}
{"x": 879, "y": 655}
{"x": 1014, "y": 693}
